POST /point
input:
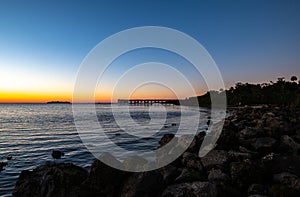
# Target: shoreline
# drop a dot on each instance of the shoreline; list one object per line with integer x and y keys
{"x": 257, "y": 153}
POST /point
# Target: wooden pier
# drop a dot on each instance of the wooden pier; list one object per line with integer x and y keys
{"x": 148, "y": 101}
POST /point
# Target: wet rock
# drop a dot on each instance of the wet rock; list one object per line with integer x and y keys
{"x": 257, "y": 189}
{"x": 195, "y": 189}
{"x": 9, "y": 157}
{"x": 51, "y": 180}
{"x": 2, "y": 164}
{"x": 186, "y": 140}
{"x": 215, "y": 158}
{"x": 56, "y": 154}
{"x": 166, "y": 139}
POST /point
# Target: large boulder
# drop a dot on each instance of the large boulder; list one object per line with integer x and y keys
{"x": 246, "y": 172}
{"x": 285, "y": 184}
{"x": 250, "y": 132}
{"x": 264, "y": 144}
{"x": 228, "y": 139}
{"x": 194, "y": 189}
{"x": 288, "y": 146}
{"x": 142, "y": 184}
{"x": 103, "y": 179}
{"x": 57, "y": 180}
{"x": 218, "y": 177}
{"x": 215, "y": 159}
{"x": 191, "y": 160}
{"x": 288, "y": 179}
{"x": 190, "y": 175}
{"x": 257, "y": 189}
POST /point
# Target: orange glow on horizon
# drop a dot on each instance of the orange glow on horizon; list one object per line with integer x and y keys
{"x": 33, "y": 97}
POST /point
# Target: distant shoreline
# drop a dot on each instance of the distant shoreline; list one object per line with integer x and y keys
{"x": 58, "y": 102}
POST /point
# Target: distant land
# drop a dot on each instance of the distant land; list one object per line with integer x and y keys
{"x": 58, "y": 102}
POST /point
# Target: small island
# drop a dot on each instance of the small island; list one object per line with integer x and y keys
{"x": 58, "y": 102}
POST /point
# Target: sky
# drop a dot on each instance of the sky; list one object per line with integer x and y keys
{"x": 43, "y": 43}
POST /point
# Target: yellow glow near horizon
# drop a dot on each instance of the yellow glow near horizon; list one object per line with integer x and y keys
{"x": 33, "y": 97}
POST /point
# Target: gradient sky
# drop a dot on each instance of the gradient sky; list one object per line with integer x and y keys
{"x": 42, "y": 43}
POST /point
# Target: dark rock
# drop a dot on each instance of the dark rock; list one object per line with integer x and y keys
{"x": 190, "y": 175}
{"x": 134, "y": 163}
{"x": 246, "y": 172}
{"x": 196, "y": 143}
{"x": 288, "y": 146}
{"x": 9, "y": 157}
{"x": 169, "y": 173}
{"x": 2, "y": 164}
{"x": 268, "y": 158}
{"x": 56, "y": 154}
{"x": 257, "y": 189}
{"x": 143, "y": 184}
{"x": 215, "y": 158}
{"x": 239, "y": 156}
{"x": 250, "y": 132}
{"x": 281, "y": 163}
{"x": 228, "y": 139}
{"x": 218, "y": 177}
{"x": 166, "y": 139}
{"x": 103, "y": 179}
{"x": 191, "y": 160}
{"x": 288, "y": 179}
{"x": 62, "y": 179}
{"x": 279, "y": 190}
{"x": 195, "y": 189}
{"x": 208, "y": 122}
{"x": 186, "y": 141}
{"x": 264, "y": 144}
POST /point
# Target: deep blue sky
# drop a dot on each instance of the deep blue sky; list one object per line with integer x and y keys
{"x": 251, "y": 41}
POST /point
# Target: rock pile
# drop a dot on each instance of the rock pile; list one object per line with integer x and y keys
{"x": 257, "y": 154}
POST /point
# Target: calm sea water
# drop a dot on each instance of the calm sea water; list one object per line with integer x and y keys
{"x": 29, "y": 133}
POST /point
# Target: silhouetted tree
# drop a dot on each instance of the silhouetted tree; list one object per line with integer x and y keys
{"x": 281, "y": 92}
{"x": 293, "y": 78}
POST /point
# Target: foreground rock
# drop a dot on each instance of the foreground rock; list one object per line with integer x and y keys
{"x": 51, "y": 180}
{"x": 196, "y": 189}
{"x": 257, "y": 154}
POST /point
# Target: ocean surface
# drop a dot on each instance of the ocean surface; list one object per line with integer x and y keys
{"x": 29, "y": 133}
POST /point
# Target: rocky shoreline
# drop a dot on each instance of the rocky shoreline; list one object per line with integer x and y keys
{"x": 257, "y": 154}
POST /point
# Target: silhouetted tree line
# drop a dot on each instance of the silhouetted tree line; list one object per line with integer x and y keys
{"x": 281, "y": 93}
